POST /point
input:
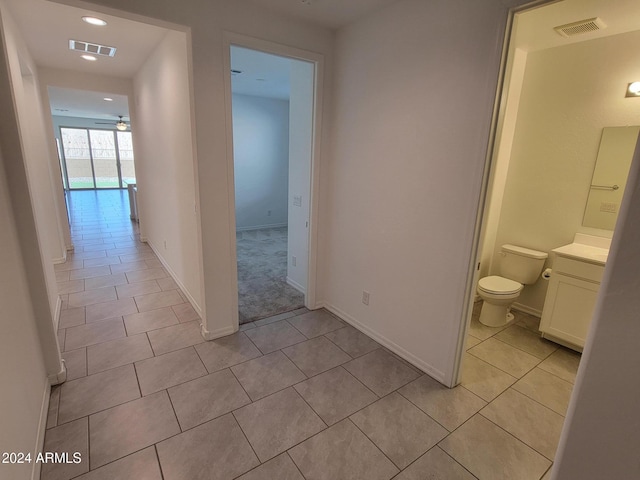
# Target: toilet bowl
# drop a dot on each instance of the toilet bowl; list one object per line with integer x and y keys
{"x": 519, "y": 266}
{"x": 498, "y": 293}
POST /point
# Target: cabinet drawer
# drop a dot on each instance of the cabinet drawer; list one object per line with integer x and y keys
{"x": 575, "y": 268}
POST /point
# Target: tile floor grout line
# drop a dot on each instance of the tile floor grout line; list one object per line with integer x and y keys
{"x": 528, "y": 353}
{"x": 532, "y": 399}
{"x": 352, "y": 357}
{"x": 452, "y": 458}
{"x": 173, "y": 408}
{"x": 502, "y": 370}
{"x": 374, "y": 443}
{"x": 155, "y": 449}
{"x": 286, "y": 452}
{"x": 418, "y": 407}
{"x": 516, "y": 438}
{"x": 235, "y": 419}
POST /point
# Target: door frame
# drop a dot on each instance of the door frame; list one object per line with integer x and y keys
{"x": 234, "y": 39}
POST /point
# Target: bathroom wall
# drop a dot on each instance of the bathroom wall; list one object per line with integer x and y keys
{"x": 568, "y": 95}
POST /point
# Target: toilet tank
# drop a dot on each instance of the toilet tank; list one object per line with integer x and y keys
{"x": 521, "y": 264}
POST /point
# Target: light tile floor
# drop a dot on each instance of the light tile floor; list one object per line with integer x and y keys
{"x": 298, "y": 396}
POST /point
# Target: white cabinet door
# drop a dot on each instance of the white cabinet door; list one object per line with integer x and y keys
{"x": 568, "y": 308}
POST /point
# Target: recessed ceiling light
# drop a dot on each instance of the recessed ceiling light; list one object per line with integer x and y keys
{"x": 107, "y": 99}
{"x": 90, "y": 58}
{"x": 633, "y": 90}
{"x": 94, "y": 21}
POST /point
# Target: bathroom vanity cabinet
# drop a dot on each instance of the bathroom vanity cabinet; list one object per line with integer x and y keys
{"x": 571, "y": 296}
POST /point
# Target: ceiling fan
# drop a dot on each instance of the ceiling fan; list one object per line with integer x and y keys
{"x": 120, "y": 124}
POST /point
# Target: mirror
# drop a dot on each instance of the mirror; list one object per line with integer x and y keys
{"x": 610, "y": 176}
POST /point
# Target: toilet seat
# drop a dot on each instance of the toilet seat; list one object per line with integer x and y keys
{"x": 497, "y": 285}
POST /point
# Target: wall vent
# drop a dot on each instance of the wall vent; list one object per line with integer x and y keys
{"x": 92, "y": 48}
{"x": 578, "y": 28}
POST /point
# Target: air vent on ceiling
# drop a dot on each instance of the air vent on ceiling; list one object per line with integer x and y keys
{"x": 92, "y": 48}
{"x": 578, "y": 28}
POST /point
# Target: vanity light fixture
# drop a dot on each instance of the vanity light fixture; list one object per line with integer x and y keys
{"x": 89, "y": 58}
{"x": 633, "y": 90}
{"x": 94, "y": 21}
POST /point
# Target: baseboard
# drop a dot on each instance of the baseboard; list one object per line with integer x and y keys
{"x": 213, "y": 334}
{"x": 261, "y": 227}
{"x": 57, "y": 313}
{"x": 384, "y": 341}
{"x": 297, "y": 286}
{"x": 525, "y": 309}
{"x": 42, "y": 427}
{"x": 173, "y": 275}
{"x": 60, "y": 377}
{"x": 59, "y": 260}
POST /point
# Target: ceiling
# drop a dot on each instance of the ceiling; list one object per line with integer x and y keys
{"x": 66, "y": 102}
{"x": 263, "y": 74}
{"x": 47, "y": 27}
{"x": 534, "y": 28}
{"x": 330, "y": 14}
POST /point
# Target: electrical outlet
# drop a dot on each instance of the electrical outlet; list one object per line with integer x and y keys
{"x": 294, "y": 260}
{"x": 365, "y": 297}
{"x": 268, "y": 213}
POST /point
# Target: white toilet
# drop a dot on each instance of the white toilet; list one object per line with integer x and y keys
{"x": 519, "y": 266}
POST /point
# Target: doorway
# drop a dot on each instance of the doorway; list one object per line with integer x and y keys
{"x": 272, "y": 99}
{"x": 544, "y": 153}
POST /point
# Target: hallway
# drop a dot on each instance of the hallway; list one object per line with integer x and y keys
{"x": 300, "y": 395}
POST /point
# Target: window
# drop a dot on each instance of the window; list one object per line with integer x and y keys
{"x": 94, "y": 158}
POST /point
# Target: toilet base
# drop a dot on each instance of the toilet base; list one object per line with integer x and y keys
{"x": 493, "y": 315}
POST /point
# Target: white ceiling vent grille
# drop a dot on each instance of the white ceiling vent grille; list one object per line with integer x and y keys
{"x": 92, "y": 48}
{"x": 578, "y": 28}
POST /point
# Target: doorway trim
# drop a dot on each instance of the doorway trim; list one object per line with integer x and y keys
{"x": 490, "y": 160}
{"x": 234, "y": 39}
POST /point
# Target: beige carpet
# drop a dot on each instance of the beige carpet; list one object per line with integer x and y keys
{"x": 262, "y": 270}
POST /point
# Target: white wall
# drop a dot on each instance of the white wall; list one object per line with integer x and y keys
{"x": 567, "y": 99}
{"x": 300, "y": 150}
{"x": 401, "y": 191}
{"x": 261, "y": 161}
{"x": 43, "y": 173}
{"x": 29, "y": 356}
{"x": 30, "y": 174}
{"x": 22, "y": 371}
{"x": 165, "y": 163}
